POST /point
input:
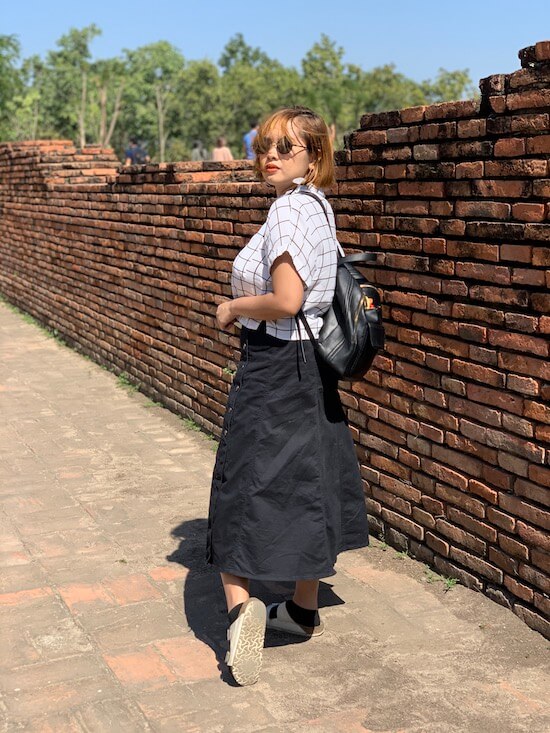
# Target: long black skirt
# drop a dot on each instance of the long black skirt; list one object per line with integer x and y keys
{"x": 286, "y": 493}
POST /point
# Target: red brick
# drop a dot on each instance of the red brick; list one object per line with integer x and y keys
{"x": 503, "y": 561}
{"x": 167, "y": 573}
{"x": 479, "y": 271}
{"x": 528, "y": 99}
{"x": 523, "y": 385}
{"x": 498, "y": 478}
{"x": 80, "y": 593}
{"x": 437, "y": 544}
{"x": 516, "y": 252}
{"x": 512, "y": 168}
{"x": 513, "y": 147}
{"x": 481, "y": 529}
{"x": 145, "y": 667}
{"x": 542, "y": 603}
{"x": 535, "y": 577}
{"x": 505, "y": 521}
{"x": 477, "y": 372}
{"x": 541, "y": 559}
{"x": 532, "y": 491}
{"x": 502, "y": 189}
{"x": 529, "y": 123}
{"x": 461, "y": 537}
{"x": 525, "y": 510}
{"x": 528, "y": 212}
{"x": 513, "y": 547}
{"x": 190, "y": 658}
{"x": 477, "y": 565}
{"x": 524, "y": 365}
{"x": 483, "y": 209}
{"x": 405, "y": 525}
{"x": 471, "y": 128}
{"x": 518, "y": 589}
{"x": 470, "y": 170}
{"x": 23, "y": 596}
{"x": 540, "y": 474}
{"x": 423, "y": 189}
{"x": 131, "y": 589}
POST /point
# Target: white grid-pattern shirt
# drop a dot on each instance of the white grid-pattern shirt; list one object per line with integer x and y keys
{"x": 295, "y": 224}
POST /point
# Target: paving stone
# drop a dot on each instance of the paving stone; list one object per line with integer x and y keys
{"x": 112, "y": 621}
{"x": 58, "y": 697}
{"x": 21, "y": 577}
{"x": 54, "y": 723}
{"x": 119, "y": 716}
{"x": 119, "y": 627}
{"x": 40, "y": 629}
{"x": 190, "y": 658}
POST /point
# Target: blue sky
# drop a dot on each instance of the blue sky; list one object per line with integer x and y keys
{"x": 418, "y": 37}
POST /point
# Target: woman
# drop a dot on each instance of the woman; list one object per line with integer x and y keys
{"x": 221, "y": 152}
{"x": 286, "y": 490}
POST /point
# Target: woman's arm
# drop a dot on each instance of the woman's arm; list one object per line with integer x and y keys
{"x": 285, "y": 300}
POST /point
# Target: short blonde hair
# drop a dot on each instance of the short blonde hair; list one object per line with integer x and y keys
{"x": 316, "y": 136}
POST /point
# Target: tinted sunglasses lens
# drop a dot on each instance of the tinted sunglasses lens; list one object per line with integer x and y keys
{"x": 261, "y": 145}
{"x": 284, "y": 146}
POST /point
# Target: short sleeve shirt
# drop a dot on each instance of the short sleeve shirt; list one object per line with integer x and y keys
{"x": 295, "y": 224}
{"x": 248, "y": 139}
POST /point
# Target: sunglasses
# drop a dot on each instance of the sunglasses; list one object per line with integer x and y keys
{"x": 283, "y": 145}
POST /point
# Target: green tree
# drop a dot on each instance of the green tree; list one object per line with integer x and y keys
{"x": 65, "y": 84}
{"x": 11, "y": 83}
{"x": 324, "y": 80}
{"x": 198, "y": 114}
{"x": 154, "y": 73}
{"x": 252, "y": 85}
{"x": 237, "y": 51}
{"x": 107, "y": 80}
{"x": 448, "y": 86}
{"x": 154, "y": 94}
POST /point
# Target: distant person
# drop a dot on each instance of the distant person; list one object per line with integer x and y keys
{"x": 248, "y": 139}
{"x": 135, "y": 154}
{"x": 198, "y": 151}
{"x": 221, "y": 152}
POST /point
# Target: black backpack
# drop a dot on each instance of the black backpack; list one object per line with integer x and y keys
{"x": 351, "y": 334}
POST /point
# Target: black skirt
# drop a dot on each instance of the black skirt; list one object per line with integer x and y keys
{"x": 286, "y": 493}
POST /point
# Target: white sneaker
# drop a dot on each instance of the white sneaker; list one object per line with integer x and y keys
{"x": 246, "y": 642}
{"x": 284, "y": 622}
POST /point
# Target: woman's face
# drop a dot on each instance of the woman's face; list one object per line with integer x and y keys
{"x": 281, "y": 164}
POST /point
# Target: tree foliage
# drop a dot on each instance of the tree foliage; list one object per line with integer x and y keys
{"x": 167, "y": 102}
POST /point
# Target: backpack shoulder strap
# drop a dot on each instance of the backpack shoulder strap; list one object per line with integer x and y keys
{"x": 313, "y": 196}
{"x": 351, "y": 259}
{"x": 360, "y": 257}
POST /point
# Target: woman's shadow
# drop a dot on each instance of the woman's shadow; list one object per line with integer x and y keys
{"x": 204, "y": 600}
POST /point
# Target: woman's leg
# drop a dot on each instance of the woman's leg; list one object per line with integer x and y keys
{"x": 235, "y": 589}
{"x": 306, "y": 594}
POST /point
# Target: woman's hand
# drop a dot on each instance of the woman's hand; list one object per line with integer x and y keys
{"x": 224, "y": 315}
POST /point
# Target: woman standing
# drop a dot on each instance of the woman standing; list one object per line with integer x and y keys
{"x": 286, "y": 491}
{"x": 221, "y": 152}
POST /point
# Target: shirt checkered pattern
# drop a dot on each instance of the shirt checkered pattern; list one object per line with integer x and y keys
{"x": 297, "y": 225}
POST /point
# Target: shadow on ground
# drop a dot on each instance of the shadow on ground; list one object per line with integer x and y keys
{"x": 203, "y": 598}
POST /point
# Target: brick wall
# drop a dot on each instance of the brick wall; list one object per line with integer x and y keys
{"x": 453, "y": 425}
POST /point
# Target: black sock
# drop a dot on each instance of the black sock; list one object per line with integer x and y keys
{"x": 232, "y": 615}
{"x": 302, "y": 616}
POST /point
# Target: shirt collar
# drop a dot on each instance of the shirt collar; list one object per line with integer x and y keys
{"x": 300, "y": 185}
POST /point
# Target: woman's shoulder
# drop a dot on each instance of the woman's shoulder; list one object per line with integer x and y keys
{"x": 297, "y": 201}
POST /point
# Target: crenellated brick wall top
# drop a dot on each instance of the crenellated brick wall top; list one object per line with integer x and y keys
{"x": 452, "y": 426}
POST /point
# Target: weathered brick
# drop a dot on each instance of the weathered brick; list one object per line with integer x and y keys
{"x": 454, "y": 414}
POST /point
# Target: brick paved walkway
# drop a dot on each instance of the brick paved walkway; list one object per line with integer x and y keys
{"x": 112, "y": 622}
